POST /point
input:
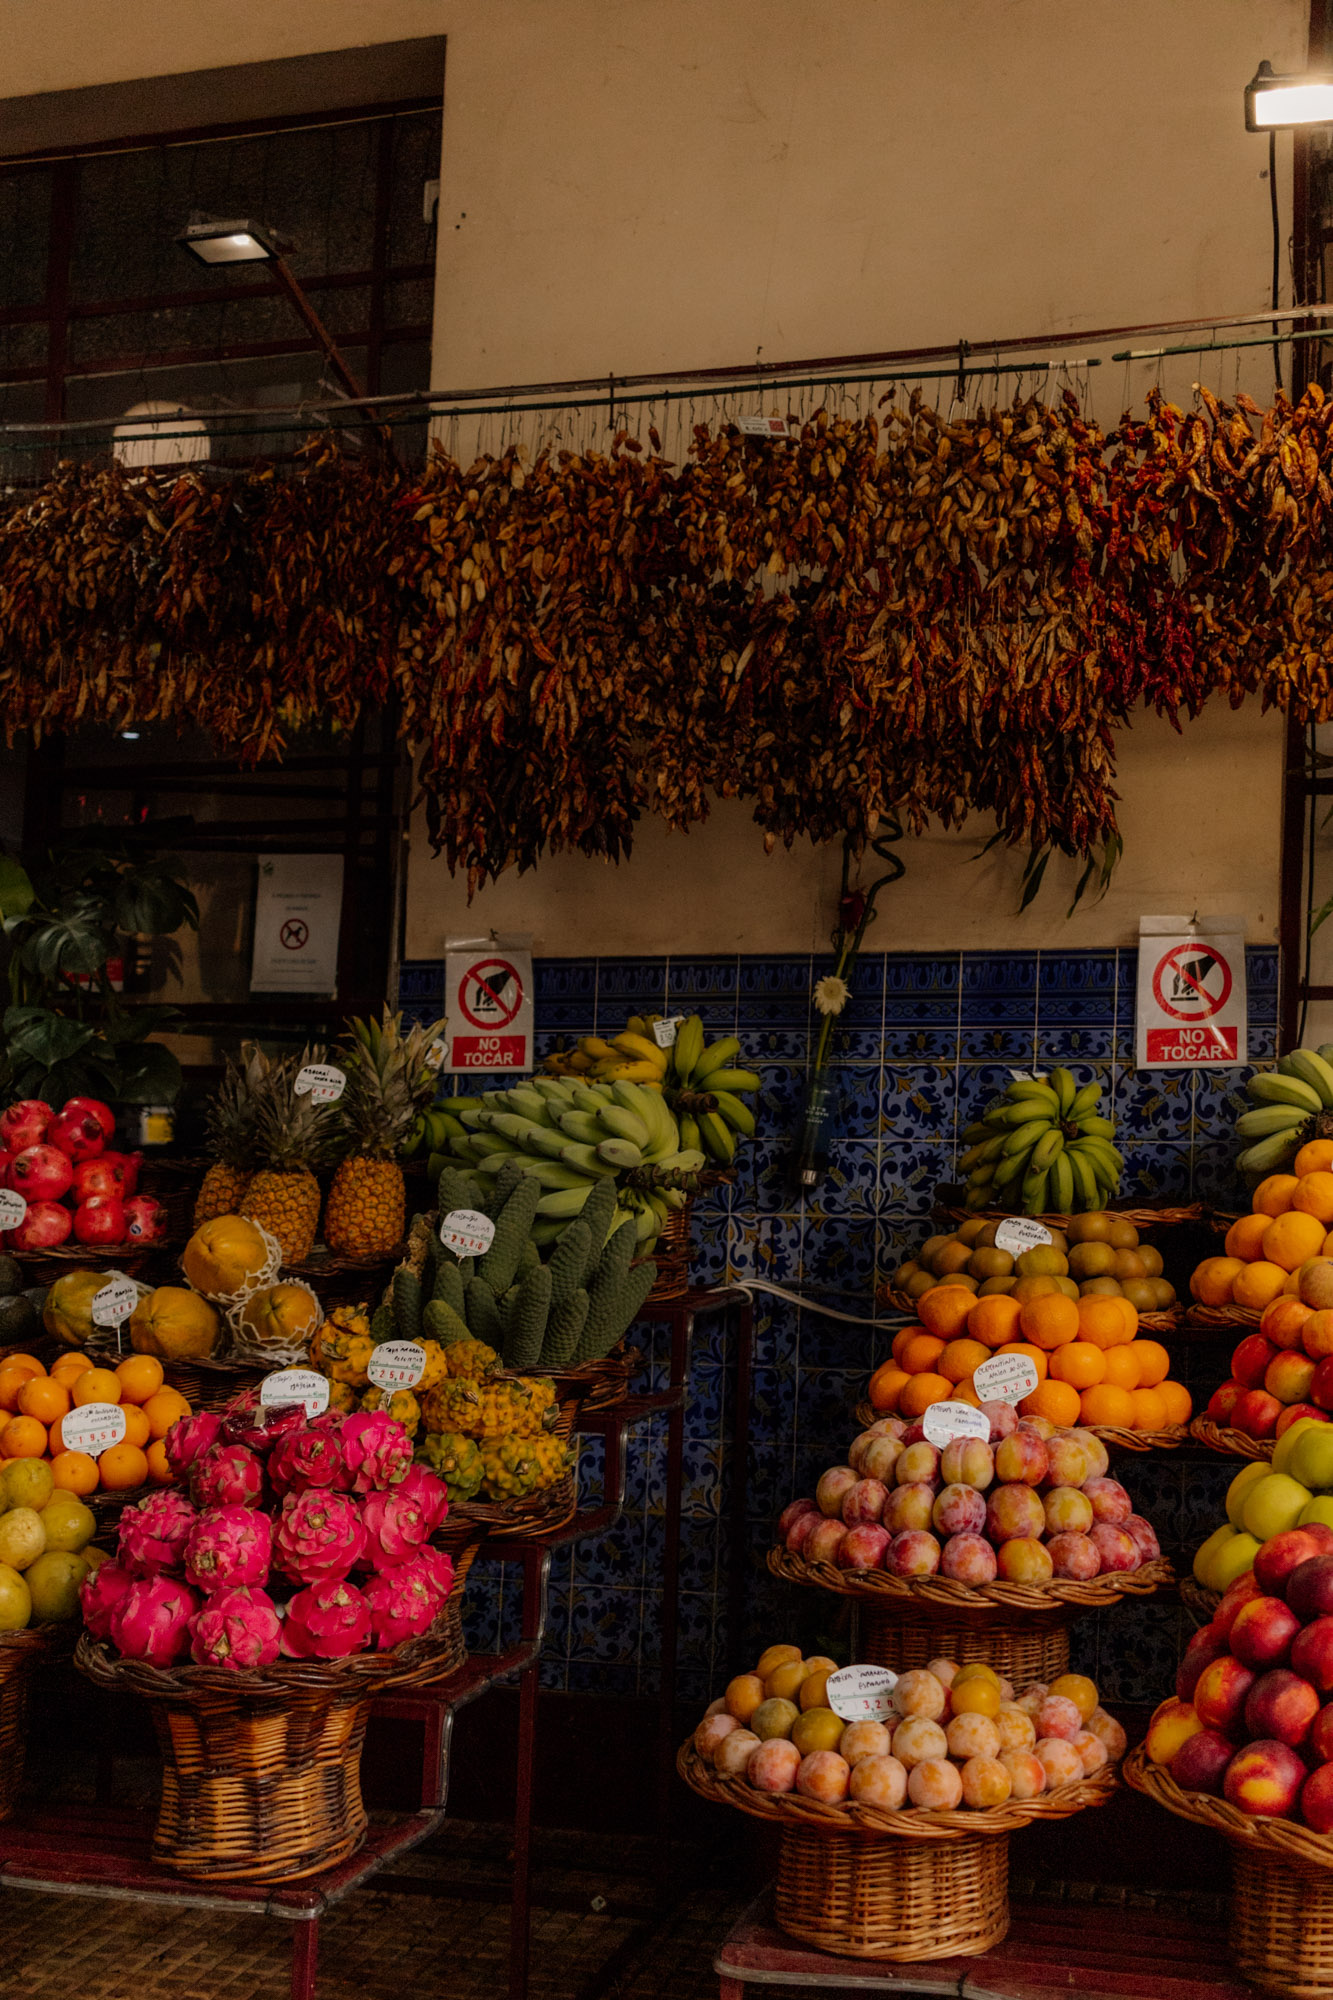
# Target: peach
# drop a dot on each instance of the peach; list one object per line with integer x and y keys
{"x": 774, "y": 1718}
{"x": 732, "y": 1755}
{"x": 935, "y": 1785}
{"x": 1079, "y": 1689}
{"x": 879, "y": 1781}
{"x": 1144, "y": 1537}
{"x": 1220, "y": 1695}
{"x": 967, "y": 1461}
{"x": 711, "y": 1732}
{"x": 968, "y": 1559}
{"x": 1284, "y": 1553}
{"x": 1317, "y": 1799}
{"x": 1204, "y": 1647}
{"x": 1281, "y": 1705}
{"x": 1240, "y": 1592}
{"x": 1110, "y": 1502}
{"x": 802, "y": 1528}
{"x": 856, "y": 1451}
{"x": 1003, "y": 1419}
{"x": 1059, "y": 1759}
{"x": 1098, "y": 1457}
{"x": 793, "y": 1512}
{"x": 1200, "y": 1764}
{"x": 1117, "y": 1549}
{"x": 1111, "y": 1732}
{"x": 864, "y": 1502}
{"x": 1021, "y": 1457}
{"x": 881, "y": 1459}
{"x": 833, "y": 1484}
{"x": 918, "y": 1465}
{"x": 774, "y": 1765}
{"x": 825, "y": 1541}
{"x": 817, "y": 1729}
{"x": 864, "y": 1739}
{"x": 973, "y": 1736}
{"x": 743, "y": 1696}
{"x": 917, "y": 1738}
{"x": 863, "y": 1547}
{"x": 945, "y": 1671}
{"x": 1312, "y": 1654}
{"x": 1173, "y": 1723}
{"x": 1321, "y": 1735}
{"x": 1013, "y": 1726}
{"x": 1289, "y": 1375}
{"x": 718, "y": 1707}
{"x": 1264, "y": 1780}
{"x": 1024, "y": 1560}
{"x": 913, "y": 1553}
{"x": 1027, "y": 1773}
{"x": 1038, "y": 1427}
{"x": 1092, "y": 1751}
{"x": 1015, "y": 1511}
{"x": 1068, "y": 1511}
{"x": 824, "y": 1775}
{"x": 919, "y": 1692}
{"x": 1262, "y": 1634}
{"x": 1059, "y": 1716}
{"x": 909, "y": 1507}
{"x": 986, "y": 1782}
{"x": 1074, "y": 1557}
{"x": 958, "y": 1510}
{"x": 1067, "y": 1463}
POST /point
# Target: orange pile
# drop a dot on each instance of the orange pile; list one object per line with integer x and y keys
{"x": 33, "y": 1405}
{"x": 1092, "y": 1368}
{"x": 1291, "y": 1225}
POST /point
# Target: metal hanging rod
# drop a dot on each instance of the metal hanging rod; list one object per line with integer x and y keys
{"x": 1223, "y": 346}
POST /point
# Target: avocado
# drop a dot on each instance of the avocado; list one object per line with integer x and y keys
{"x": 11, "y": 1277}
{"x": 19, "y": 1321}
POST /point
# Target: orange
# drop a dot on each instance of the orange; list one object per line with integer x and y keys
{"x": 1179, "y": 1402}
{"x": 900, "y": 1340}
{"x": 1314, "y": 1196}
{"x": 1212, "y": 1280}
{"x": 1059, "y": 1401}
{"x": 1122, "y": 1366}
{"x": 1315, "y": 1157}
{"x": 164, "y": 1409}
{"x": 56, "y": 1442}
{"x": 1104, "y": 1405}
{"x": 1245, "y": 1238}
{"x": 1154, "y": 1362}
{"x": 1034, "y": 1355}
{"x": 916, "y": 1398}
{"x": 1131, "y": 1316}
{"x": 944, "y": 1310}
{"x": 159, "y": 1472}
{"x": 122, "y": 1466}
{"x": 74, "y": 1472}
{"x": 1079, "y": 1362}
{"x": 1101, "y": 1320}
{"x": 1149, "y": 1410}
{"x": 137, "y": 1427}
{"x": 140, "y": 1377}
{"x": 44, "y": 1399}
{"x": 1289, "y": 1239}
{"x": 11, "y": 1381}
{"x": 23, "y": 1437}
{"x": 27, "y": 1362}
{"x": 1259, "y": 1284}
{"x": 1049, "y": 1322}
{"x": 994, "y": 1319}
{"x": 965, "y": 1393}
{"x": 69, "y": 1368}
{"x": 921, "y": 1353}
{"x": 885, "y": 1386}
{"x": 96, "y": 1385}
{"x": 1273, "y": 1196}
{"x": 960, "y": 1357}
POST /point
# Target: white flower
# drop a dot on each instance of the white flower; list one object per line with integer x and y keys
{"x": 832, "y": 994}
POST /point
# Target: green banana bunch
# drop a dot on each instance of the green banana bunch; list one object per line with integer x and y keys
{"x": 1285, "y": 1101}
{"x": 708, "y": 1091}
{"x": 1042, "y": 1147}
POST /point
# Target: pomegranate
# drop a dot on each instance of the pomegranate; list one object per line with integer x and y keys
{"x": 44, "y": 1226}
{"x": 145, "y": 1219}
{"x": 133, "y": 1167}
{"x": 25, "y": 1123}
{"x": 100, "y": 1219}
{"x": 90, "y": 1107}
{"x": 40, "y": 1173}
{"x": 78, "y": 1134}
{"x": 103, "y": 1175}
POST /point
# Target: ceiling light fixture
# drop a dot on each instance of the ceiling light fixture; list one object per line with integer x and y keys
{"x": 235, "y": 242}
{"x": 1274, "y": 103}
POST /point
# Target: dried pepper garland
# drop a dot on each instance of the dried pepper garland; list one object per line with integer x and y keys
{"x": 896, "y": 616}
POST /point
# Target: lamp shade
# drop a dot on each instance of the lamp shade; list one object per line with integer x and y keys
{"x": 228, "y": 242}
{"x": 1274, "y": 103}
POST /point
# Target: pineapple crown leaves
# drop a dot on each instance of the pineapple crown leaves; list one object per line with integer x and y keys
{"x": 233, "y": 1110}
{"x": 292, "y": 1131}
{"x": 388, "y": 1082}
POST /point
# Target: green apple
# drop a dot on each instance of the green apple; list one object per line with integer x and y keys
{"x": 1286, "y": 1445}
{"x": 1240, "y": 1486}
{"x": 1205, "y": 1557}
{"x": 1311, "y": 1457}
{"x": 1317, "y": 1513}
{"x": 1273, "y": 1504}
{"x": 1233, "y": 1561}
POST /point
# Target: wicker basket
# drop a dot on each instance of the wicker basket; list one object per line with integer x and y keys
{"x": 592, "y": 1385}
{"x": 1223, "y": 1318}
{"x": 1028, "y": 1649}
{"x": 1200, "y": 1603}
{"x": 671, "y": 1254}
{"x": 942, "y": 1598}
{"x": 1171, "y": 1215}
{"x": 1149, "y": 1322}
{"x": 210, "y": 1385}
{"x": 175, "y": 1183}
{"x": 19, "y": 1655}
{"x": 345, "y": 1281}
{"x": 43, "y": 1267}
{"x": 1110, "y": 1434}
{"x": 1238, "y": 1444}
{"x": 536, "y": 1514}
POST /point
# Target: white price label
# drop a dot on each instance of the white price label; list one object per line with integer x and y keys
{"x": 94, "y": 1428}
{"x": 467, "y": 1232}
{"x": 397, "y": 1364}
{"x": 115, "y": 1302}
{"x": 295, "y": 1385}
{"x": 765, "y": 427}
{"x": 944, "y": 1421}
{"x": 322, "y": 1081}
{"x": 433, "y": 1059}
{"x": 1005, "y": 1378}
{"x": 664, "y": 1032}
{"x": 1020, "y": 1233}
{"x": 861, "y": 1694}
{"x": 13, "y": 1208}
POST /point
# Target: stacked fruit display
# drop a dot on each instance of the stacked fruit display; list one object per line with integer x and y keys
{"x": 1281, "y": 1374}
{"x": 35, "y": 1405}
{"x": 62, "y": 1164}
{"x": 1094, "y": 1255}
{"x": 1091, "y": 1368}
{"x": 1252, "y": 1718}
{"x": 1283, "y": 1247}
{"x": 1265, "y": 1500}
{"x": 1028, "y": 1505}
{"x": 1286, "y": 1103}
{"x": 699, "y": 1081}
{"x": 46, "y": 1547}
{"x": 1042, "y": 1147}
{"x": 956, "y": 1736}
{"x": 297, "y": 1540}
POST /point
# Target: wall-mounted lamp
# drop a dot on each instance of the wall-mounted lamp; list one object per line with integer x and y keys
{"x": 215, "y": 241}
{"x": 1276, "y": 103}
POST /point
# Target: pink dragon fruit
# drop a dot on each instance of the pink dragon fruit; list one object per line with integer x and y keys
{"x": 430, "y": 1493}
{"x": 100, "y": 1593}
{"x": 438, "y": 1570}
{"x": 326, "y": 1622}
{"x": 153, "y": 1534}
{"x": 378, "y": 1451}
{"x": 238, "y": 1629}
{"x": 227, "y": 1476}
{"x": 398, "y": 1525}
{"x": 257, "y": 1426}
{"x": 152, "y": 1620}
{"x": 403, "y": 1602}
{"x": 319, "y": 1537}
{"x": 229, "y": 1547}
{"x": 189, "y": 1438}
{"x": 308, "y": 1458}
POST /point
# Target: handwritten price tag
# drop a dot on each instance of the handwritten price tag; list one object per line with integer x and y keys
{"x": 115, "y": 1302}
{"x": 296, "y": 1385}
{"x": 765, "y": 427}
{"x": 861, "y": 1694}
{"x": 397, "y": 1364}
{"x": 321, "y": 1081}
{"x": 1005, "y": 1378}
{"x": 943, "y": 1421}
{"x": 94, "y": 1428}
{"x": 1021, "y": 1233}
{"x": 467, "y": 1232}
{"x": 13, "y": 1208}
{"x": 664, "y": 1032}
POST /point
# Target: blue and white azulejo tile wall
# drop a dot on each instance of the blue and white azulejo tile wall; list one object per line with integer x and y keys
{"x": 924, "y": 1043}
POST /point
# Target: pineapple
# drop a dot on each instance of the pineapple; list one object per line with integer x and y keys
{"x": 231, "y": 1123}
{"x": 292, "y": 1135}
{"x": 388, "y": 1084}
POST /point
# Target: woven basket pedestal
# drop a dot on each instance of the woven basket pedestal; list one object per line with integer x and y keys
{"x": 1026, "y": 1650}
{"x": 19, "y": 1654}
{"x": 868, "y": 1896}
{"x": 1282, "y": 1924}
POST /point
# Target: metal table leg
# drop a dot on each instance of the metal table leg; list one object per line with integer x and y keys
{"x": 305, "y": 1958}
{"x": 682, "y": 1329}
{"x": 536, "y": 1569}
{"x": 737, "y": 1552}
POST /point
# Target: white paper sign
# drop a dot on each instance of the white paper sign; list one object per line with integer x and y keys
{"x": 1005, "y": 1378}
{"x": 664, "y": 1032}
{"x": 1021, "y": 1233}
{"x": 115, "y": 1302}
{"x": 765, "y": 427}
{"x": 1191, "y": 1009}
{"x": 397, "y": 1364}
{"x": 467, "y": 1232}
{"x": 298, "y": 915}
{"x": 943, "y": 1421}
{"x": 434, "y": 1057}
{"x": 488, "y": 997}
{"x": 861, "y": 1694}
{"x": 324, "y": 1083}
{"x": 94, "y": 1428}
{"x": 13, "y": 1208}
{"x": 296, "y": 1385}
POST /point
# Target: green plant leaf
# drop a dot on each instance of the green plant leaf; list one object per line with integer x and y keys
{"x": 148, "y": 1074}
{"x": 153, "y": 900}
{"x": 44, "y": 1037}
{"x": 17, "y": 894}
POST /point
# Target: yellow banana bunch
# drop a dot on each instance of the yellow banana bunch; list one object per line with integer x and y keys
{"x": 701, "y": 1083}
